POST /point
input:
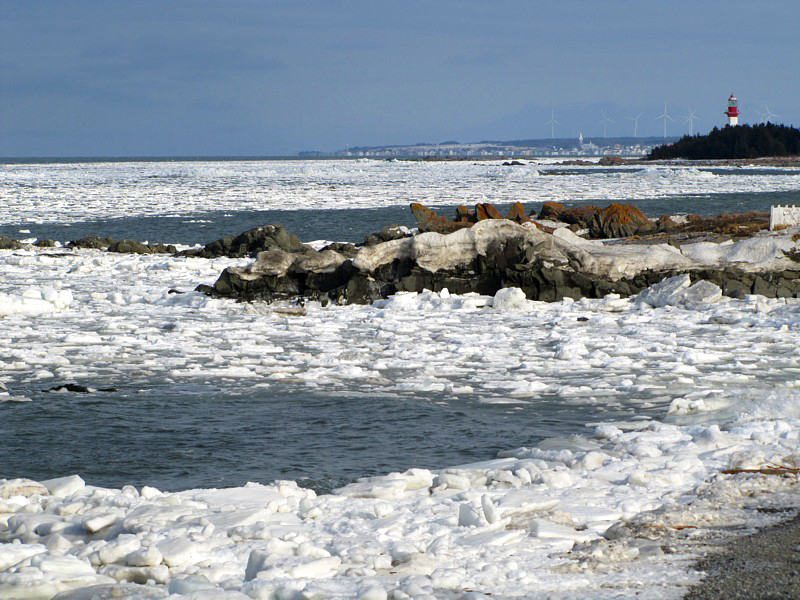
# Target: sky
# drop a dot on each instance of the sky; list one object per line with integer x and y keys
{"x": 275, "y": 77}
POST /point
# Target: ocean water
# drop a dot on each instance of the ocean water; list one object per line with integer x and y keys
{"x": 178, "y": 437}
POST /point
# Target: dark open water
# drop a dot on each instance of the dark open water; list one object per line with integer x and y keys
{"x": 180, "y": 438}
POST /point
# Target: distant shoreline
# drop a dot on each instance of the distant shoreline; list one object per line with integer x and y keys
{"x": 773, "y": 161}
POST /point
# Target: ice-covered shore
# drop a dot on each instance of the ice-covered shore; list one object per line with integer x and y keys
{"x": 621, "y": 510}
{"x": 620, "y": 513}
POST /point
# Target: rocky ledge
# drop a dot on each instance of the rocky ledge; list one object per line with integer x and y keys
{"x": 495, "y": 253}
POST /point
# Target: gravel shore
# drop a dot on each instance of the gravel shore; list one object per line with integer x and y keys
{"x": 763, "y": 565}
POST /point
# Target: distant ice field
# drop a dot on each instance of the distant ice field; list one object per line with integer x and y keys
{"x": 195, "y": 202}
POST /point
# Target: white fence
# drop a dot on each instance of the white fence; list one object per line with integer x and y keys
{"x": 784, "y": 216}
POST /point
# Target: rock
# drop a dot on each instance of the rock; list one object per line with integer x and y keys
{"x": 163, "y": 248}
{"x": 517, "y": 213}
{"x": 345, "y": 249}
{"x": 7, "y": 243}
{"x": 71, "y": 387}
{"x": 610, "y": 161}
{"x": 80, "y": 389}
{"x": 464, "y": 213}
{"x": 666, "y": 223}
{"x": 45, "y": 243}
{"x": 427, "y": 220}
{"x": 393, "y": 232}
{"x": 580, "y": 215}
{"x": 486, "y": 210}
{"x": 130, "y": 247}
{"x": 552, "y": 211}
{"x": 250, "y": 243}
{"x": 92, "y": 241}
{"x": 373, "y": 239}
{"x": 513, "y": 163}
{"x": 484, "y": 258}
{"x": 619, "y": 220}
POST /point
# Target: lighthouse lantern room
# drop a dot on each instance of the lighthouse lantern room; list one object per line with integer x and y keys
{"x": 733, "y": 110}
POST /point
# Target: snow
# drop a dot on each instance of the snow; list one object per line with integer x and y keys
{"x": 617, "y": 511}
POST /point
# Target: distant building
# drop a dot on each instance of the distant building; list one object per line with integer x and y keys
{"x": 733, "y": 110}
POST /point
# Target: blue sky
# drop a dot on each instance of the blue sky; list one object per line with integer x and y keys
{"x": 273, "y": 77}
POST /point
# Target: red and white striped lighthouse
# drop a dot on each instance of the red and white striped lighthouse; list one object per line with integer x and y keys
{"x": 733, "y": 110}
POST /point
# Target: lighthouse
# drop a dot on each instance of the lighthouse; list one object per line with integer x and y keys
{"x": 733, "y": 110}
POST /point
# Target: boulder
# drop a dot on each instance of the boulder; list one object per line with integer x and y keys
{"x": 250, "y": 243}
{"x": 666, "y": 223}
{"x": 517, "y": 213}
{"x": 466, "y": 214}
{"x": 92, "y": 242}
{"x": 428, "y": 220}
{"x": 486, "y": 210}
{"x": 552, "y": 211}
{"x": 580, "y": 216}
{"x": 7, "y": 243}
{"x": 610, "y": 161}
{"x": 163, "y": 248}
{"x": 619, "y": 220}
{"x": 393, "y": 232}
{"x": 130, "y": 247}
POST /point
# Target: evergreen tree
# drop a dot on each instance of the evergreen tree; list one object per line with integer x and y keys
{"x": 740, "y": 141}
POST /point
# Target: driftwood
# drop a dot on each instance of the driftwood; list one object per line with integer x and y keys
{"x": 792, "y": 470}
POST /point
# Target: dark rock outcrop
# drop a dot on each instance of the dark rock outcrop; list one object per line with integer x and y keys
{"x": 552, "y": 211}
{"x": 483, "y": 260}
{"x": 250, "y": 243}
{"x": 134, "y": 247}
{"x": 7, "y": 243}
{"x": 79, "y": 389}
{"x": 580, "y": 216}
{"x": 92, "y": 242}
{"x": 610, "y": 161}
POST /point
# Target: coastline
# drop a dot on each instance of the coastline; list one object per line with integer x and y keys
{"x": 765, "y": 564}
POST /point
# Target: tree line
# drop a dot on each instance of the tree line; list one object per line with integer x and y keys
{"x": 739, "y": 141}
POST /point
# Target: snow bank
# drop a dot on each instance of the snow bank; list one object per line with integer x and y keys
{"x": 535, "y": 521}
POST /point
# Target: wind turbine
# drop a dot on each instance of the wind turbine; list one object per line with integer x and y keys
{"x": 768, "y": 115}
{"x": 665, "y": 116}
{"x": 636, "y": 124}
{"x": 688, "y": 119}
{"x": 552, "y": 122}
{"x": 605, "y": 121}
